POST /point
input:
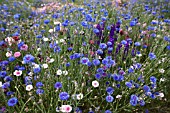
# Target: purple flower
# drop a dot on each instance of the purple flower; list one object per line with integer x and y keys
{"x": 39, "y": 84}
{"x": 64, "y": 96}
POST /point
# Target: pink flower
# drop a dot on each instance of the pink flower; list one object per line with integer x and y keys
{"x": 17, "y": 54}
{"x": 17, "y": 72}
{"x": 66, "y": 108}
{"x": 24, "y": 47}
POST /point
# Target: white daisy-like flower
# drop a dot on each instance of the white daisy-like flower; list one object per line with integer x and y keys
{"x": 17, "y": 72}
{"x": 45, "y": 66}
{"x": 162, "y": 79}
{"x": 65, "y": 72}
{"x": 79, "y": 96}
{"x": 29, "y": 87}
{"x": 56, "y": 41}
{"x": 95, "y": 83}
{"x": 66, "y": 108}
{"x": 59, "y": 72}
{"x": 38, "y": 49}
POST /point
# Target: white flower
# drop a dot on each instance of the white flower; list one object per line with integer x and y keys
{"x": 29, "y": 87}
{"x": 45, "y": 39}
{"x": 56, "y": 41}
{"x": 162, "y": 79}
{"x": 119, "y": 96}
{"x": 38, "y": 49}
{"x": 57, "y": 23}
{"x": 79, "y": 96}
{"x": 30, "y": 73}
{"x": 36, "y": 66}
{"x": 65, "y": 72}
{"x": 59, "y": 72}
{"x": 161, "y": 70}
{"x": 66, "y": 108}
{"x": 95, "y": 83}
{"x": 62, "y": 40}
{"x": 0, "y": 84}
{"x": 161, "y": 95}
{"x": 17, "y": 72}
{"x": 50, "y": 30}
{"x": 51, "y": 60}
{"x": 8, "y": 54}
{"x": 45, "y": 66}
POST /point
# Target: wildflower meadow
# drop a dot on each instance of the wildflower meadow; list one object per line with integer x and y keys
{"x": 84, "y": 56}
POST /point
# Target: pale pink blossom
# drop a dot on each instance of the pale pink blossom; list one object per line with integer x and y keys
{"x": 24, "y": 47}
{"x": 17, "y": 54}
{"x": 66, "y": 108}
{"x": 17, "y": 72}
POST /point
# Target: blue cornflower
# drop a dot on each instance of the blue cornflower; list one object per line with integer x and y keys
{"x": 109, "y": 98}
{"x": 99, "y": 52}
{"x": 58, "y": 85}
{"x": 130, "y": 70}
{"x": 28, "y": 58}
{"x": 12, "y": 101}
{"x": 39, "y": 36}
{"x": 129, "y": 84}
{"x": 166, "y": 38}
{"x": 64, "y": 96}
{"x": 84, "y": 60}
{"x": 84, "y": 23}
{"x": 11, "y": 59}
{"x": 133, "y": 100}
{"x": 103, "y": 46}
{"x": 132, "y": 23}
{"x": 57, "y": 49}
{"x": 153, "y": 35}
{"x": 146, "y": 88}
{"x": 6, "y": 85}
{"x": 9, "y": 93}
{"x": 37, "y": 70}
{"x": 3, "y": 74}
{"x": 109, "y": 43}
{"x": 89, "y": 17}
{"x": 137, "y": 43}
{"x": 8, "y": 79}
{"x": 124, "y": 42}
{"x": 39, "y": 91}
{"x": 168, "y": 47}
{"x": 109, "y": 90}
{"x": 152, "y": 56}
{"x": 96, "y": 62}
{"x": 153, "y": 79}
{"x": 98, "y": 76}
{"x": 17, "y": 16}
{"x": 46, "y": 21}
{"x": 95, "y": 31}
{"x": 138, "y": 65}
{"x": 39, "y": 84}
{"x": 107, "y": 111}
{"x": 142, "y": 102}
